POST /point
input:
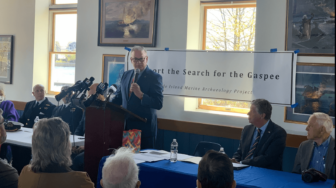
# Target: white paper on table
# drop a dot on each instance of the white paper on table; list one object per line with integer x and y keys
{"x": 195, "y": 160}
{"x": 238, "y": 165}
{"x": 161, "y": 154}
{"x": 148, "y": 157}
{"x": 138, "y": 161}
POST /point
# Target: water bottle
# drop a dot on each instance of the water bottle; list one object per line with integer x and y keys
{"x": 173, "y": 151}
{"x": 221, "y": 150}
{"x": 35, "y": 121}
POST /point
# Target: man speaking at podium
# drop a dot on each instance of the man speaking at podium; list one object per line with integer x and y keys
{"x": 140, "y": 92}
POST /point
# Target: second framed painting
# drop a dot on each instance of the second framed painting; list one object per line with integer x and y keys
{"x": 314, "y": 92}
{"x": 311, "y": 27}
{"x": 127, "y": 22}
{"x": 113, "y": 69}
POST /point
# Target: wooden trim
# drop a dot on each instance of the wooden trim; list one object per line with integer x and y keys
{"x": 224, "y": 131}
{"x": 221, "y": 108}
{"x": 204, "y": 29}
{"x": 18, "y": 105}
{"x": 228, "y": 2}
{"x": 217, "y": 130}
{"x": 316, "y": 64}
{"x": 230, "y": 6}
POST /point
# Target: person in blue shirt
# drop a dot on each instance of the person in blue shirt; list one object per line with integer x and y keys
{"x": 318, "y": 152}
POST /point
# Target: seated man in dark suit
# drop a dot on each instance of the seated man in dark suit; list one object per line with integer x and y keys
{"x": 41, "y": 107}
{"x": 263, "y": 142}
{"x": 318, "y": 151}
{"x": 8, "y": 175}
{"x": 67, "y": 112}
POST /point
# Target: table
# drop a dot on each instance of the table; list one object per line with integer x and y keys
{"x": 165, "y": 174}
{"x": 23, "y": 137}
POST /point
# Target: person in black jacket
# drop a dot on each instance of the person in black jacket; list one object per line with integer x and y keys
{"x": 263, "y": 142}
{"x": 41, "y": 107}
{"x": 70, "y": 114}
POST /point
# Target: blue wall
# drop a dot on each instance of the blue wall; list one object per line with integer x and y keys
{"x": 188, "y": 142}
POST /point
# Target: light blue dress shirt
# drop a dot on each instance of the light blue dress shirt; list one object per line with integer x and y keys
{"x": 319, "y": 156}
{"x": 263, "y": 128}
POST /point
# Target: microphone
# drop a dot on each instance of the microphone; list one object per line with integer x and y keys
{"x": 65, "y": 92}
{"x": 136, "y": 75}
{"x": 100, "y": 90}
{"x": 112, "y": 89}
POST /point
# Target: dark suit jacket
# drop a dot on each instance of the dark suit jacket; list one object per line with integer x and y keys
{"x": 8, "y": 176}
{"x": 151, "y": 85}
{"x": 45, "y": 111}
{"x": 71, "y": 115}
{"x": 80, "y": 130}
{"x": 269, "y": 151}
{"x": 305, "y": 153}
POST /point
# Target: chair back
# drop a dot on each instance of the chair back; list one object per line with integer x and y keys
{"x": 203, "y": 146}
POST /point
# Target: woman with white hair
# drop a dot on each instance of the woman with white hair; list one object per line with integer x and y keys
{"x": 51, "y": 161}
{"x": 120, "y": 170}
{"x": 9, "y": 112}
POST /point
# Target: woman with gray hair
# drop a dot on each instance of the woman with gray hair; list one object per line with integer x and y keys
{"x": 9, "y": 112}
{"x": 51, "y": 161}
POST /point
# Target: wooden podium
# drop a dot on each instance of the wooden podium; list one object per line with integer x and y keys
{"x": 104, "y": 128}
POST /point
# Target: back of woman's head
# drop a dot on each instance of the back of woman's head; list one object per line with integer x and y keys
{"x": 215, "y": 170}
{"x": 50, "y": 144}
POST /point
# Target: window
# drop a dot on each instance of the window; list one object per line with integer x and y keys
{"x": 228, "y": 28}
{"x": 63, "y": 51}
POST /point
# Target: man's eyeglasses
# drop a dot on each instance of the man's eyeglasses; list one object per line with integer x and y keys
{"x": 138, "y": 59}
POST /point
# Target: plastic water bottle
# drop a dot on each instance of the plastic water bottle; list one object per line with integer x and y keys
{"x": 35, "y": 121}
{"x": 221, "y": 150}
{"x": 173, "y": 151}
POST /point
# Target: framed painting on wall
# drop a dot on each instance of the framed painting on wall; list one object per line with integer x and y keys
{"x": 6, "y": 58}
{"x": 311, "y": 27}
{"x": 314, "y": 92}
{"x": 113, "y": 69}
{"x": 127, "y": 22}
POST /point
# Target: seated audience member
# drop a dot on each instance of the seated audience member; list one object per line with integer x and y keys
{"x": 70, "y": 114}
{"x": 7, "y": 107}
{"x": 41, "y": 107}
{"x": 121, "y": 170}
{"x": 263, "y": 142}
{"x": 50, "y": 164}
{"x": 318, "y": 151}
{"x": 8, "y": 175}
{"x": 215, "y": 170}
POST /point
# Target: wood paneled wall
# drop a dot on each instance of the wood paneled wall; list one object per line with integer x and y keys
{"x": 224, "y": 131}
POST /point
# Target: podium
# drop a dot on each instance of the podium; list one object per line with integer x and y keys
{"x": 104, "y": 126}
